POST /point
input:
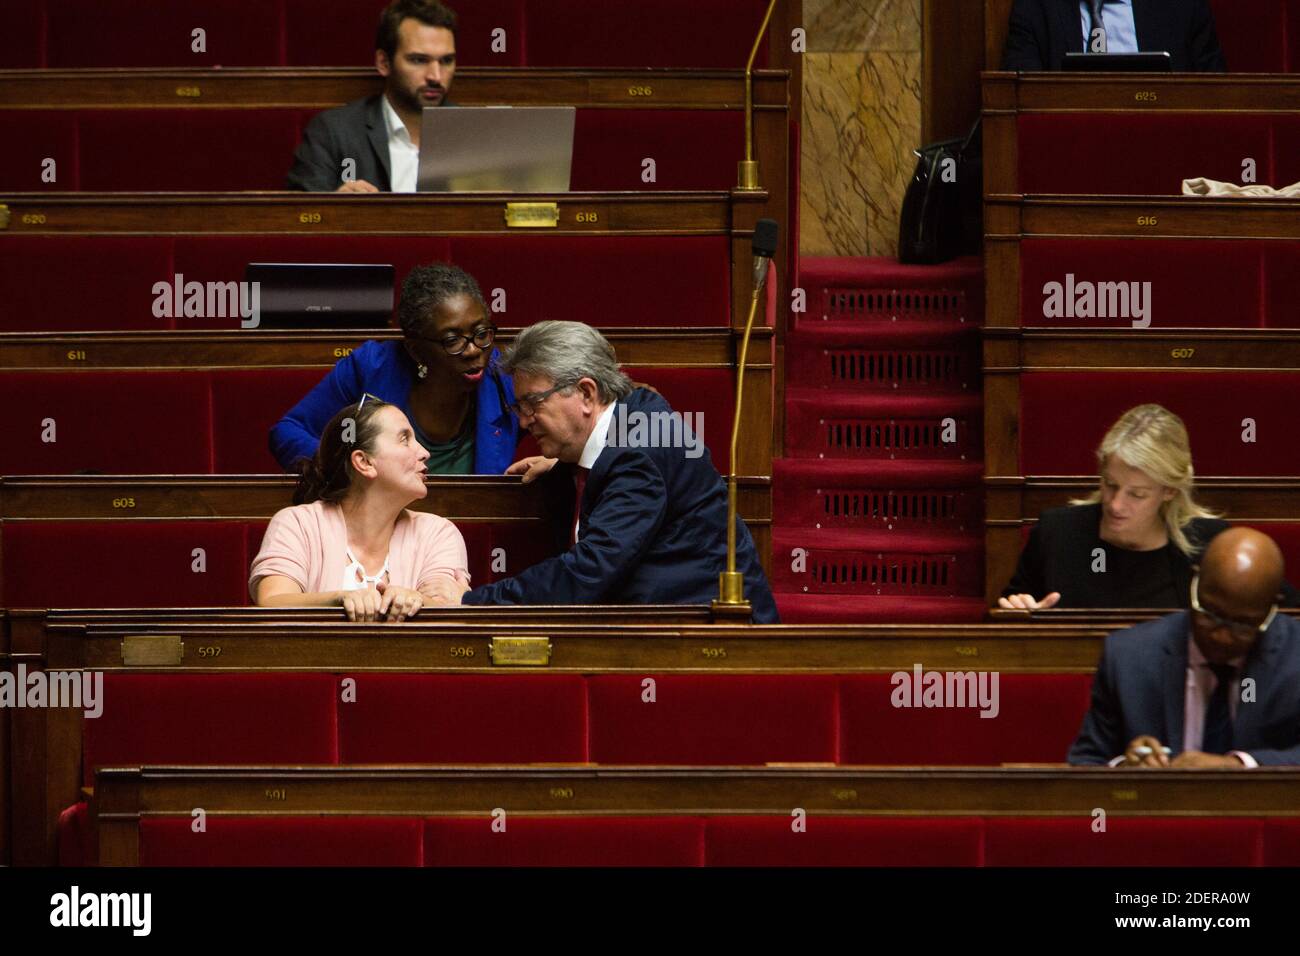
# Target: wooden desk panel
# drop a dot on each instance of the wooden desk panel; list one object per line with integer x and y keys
{"x": 682, "y": 347}
{"x": 635, "y": 645}
{"x": 1008, "y": 95}
{"x": 47, "y": 757}
{"x": 386, "y": 214}
{"x": 124, "y": 796}
{"x": 325, "y": 87}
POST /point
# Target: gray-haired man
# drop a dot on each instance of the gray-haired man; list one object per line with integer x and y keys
{"x": 649, "y": 524}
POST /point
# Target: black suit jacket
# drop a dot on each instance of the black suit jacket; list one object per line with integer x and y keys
{"x": 1043, "y": 31}
{"x": 1059, "y": 557}
{"x": 1140, "y": 688}
{"x": 356, "y": 131}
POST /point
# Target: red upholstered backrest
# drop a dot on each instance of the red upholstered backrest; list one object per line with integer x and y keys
{"x": 560, "y": 841}
{"x": 691, "y": 149}
{"x": 106, "y": 284}
{"x": 350, "y": 37}
{"x": 1253, "y": 34}
{"x": 464, "y": 718}
{"x": 1178, "y": 297}
{"x": 842, "y": 841}
{"x": 1281, "y": 842}
{"x": 147, "y": 33}
{"x": 653, "y": 33}
{"x": 603, "y": 281}
{"x": 1126, "y": 841}
{"x": 212, "y": 719}
{"x": 245, "y": 404}
{"x": 187, "y": 150}
{"x": 282, "y": 841}
{"x": 1137, "y": 153}
{"x": 510, "y": 547}
{"x": 1212, "y": 404}
{"x": 124, "y": 563}
{"x": 716, "y": 841}
{"x": 136, "y": 422}
{"x": 22, "y": 41}
{"x": 709, "y": 391}
{"x": 225, "y": 259}
{"x": 1037, "y": 718}
{"x": 1293, "y": 33}
{"x": 64, "y": 284}
{"x": 31, "y": 137}
{"x": 1286, "y": 127}
{"x": 712, "y": 719}
{"x": 231, "y": 149}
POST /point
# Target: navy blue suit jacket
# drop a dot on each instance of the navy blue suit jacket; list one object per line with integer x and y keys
{"x": 1140, "y": 688}
{"x": 652, "y": 530}
{"x": 1041, "y": 32}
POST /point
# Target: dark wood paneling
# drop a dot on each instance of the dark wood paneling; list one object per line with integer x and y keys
{"x": 386, "y": 214}
{"x": 321, "y": 88}
{"x": 1151, "y": 93}
{"x": 1147, "y": 217}
{"x": 593, "y": 646}
{"x": 997, "y": 15}
{"x": 952, "y": 56}
{"x": 470, "y": 498}
{"x": 124, "y": 795}
{"x": 649, "y": 347}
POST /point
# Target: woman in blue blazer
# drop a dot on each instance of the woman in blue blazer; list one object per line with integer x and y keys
{"x": 442, "y": 374}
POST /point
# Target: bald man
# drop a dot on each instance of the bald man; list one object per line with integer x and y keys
{"x": 1216, "y": 686}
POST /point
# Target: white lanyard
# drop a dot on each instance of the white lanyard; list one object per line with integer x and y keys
{"x": 355, "y": 577}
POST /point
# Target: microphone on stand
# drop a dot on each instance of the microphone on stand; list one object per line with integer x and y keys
{"x": 731, "y": 583}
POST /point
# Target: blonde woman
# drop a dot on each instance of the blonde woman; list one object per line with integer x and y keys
{"x": 1133, "y": 542}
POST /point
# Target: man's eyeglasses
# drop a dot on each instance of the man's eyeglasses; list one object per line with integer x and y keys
{"x": 453, "y": 343}
{"x": 525, "y": 406}
{"x": 1239, "y": 629}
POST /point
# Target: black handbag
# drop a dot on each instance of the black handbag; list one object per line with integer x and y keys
{"x": 942, "y": 215}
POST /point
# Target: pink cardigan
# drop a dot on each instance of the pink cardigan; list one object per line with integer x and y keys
{"x": 308, "y": 544}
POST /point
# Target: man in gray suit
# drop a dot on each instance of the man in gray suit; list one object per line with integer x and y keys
{"x": 373, "y": 145}
{"x": 1217, "y": 686}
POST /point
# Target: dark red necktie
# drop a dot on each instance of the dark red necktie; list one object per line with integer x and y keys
{"x": 580, "y": 483}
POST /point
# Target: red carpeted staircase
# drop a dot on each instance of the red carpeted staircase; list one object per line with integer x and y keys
{"x": 878, "y": 504}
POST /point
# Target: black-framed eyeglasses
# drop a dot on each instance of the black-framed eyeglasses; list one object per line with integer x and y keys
{"x": 1240, "y": 629}
{"x": 453, "y": 343}
{"x": 525, "y": 406}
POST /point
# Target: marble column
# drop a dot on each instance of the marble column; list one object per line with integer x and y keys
{"x": 861, "y": 121}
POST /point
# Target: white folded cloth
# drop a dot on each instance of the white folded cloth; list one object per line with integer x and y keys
{"x": 1212, "y": 187}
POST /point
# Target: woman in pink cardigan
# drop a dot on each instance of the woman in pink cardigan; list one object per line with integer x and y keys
{"x": 349, "y": 539}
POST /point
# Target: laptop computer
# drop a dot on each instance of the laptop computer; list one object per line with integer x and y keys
{"x": 1151, "y": 62}
{"x": 513, "y": 149}
{"x": 304, "y": 295}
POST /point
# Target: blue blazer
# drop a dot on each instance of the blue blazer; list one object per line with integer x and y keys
{"x": 1140, "y": 688}
{"x": 385, "y": 370}
{"x": 652, "y": 529}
